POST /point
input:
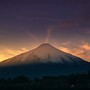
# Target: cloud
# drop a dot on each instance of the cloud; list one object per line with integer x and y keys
{"x": 86, "y": 47}
{"x": 2, "y": 57}
{"x": 40, "y": 19}
{"x": 8, "y": 53}
{"x": 82, "y": 51}
{"x": 66, "y": 43}
{"x": 16, "y": 52}
{"x": 65, "y": 49}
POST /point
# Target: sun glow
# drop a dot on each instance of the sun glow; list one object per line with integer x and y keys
{"x": 2, "y": 57}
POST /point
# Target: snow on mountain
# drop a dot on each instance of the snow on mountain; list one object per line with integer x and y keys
{"x": 45, "y": 53}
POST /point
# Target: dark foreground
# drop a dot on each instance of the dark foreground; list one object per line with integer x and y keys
{"x": 70, "y": 82}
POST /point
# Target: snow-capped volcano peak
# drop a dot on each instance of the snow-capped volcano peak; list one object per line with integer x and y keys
{"x": 45, "y": 49}
{"x": 45, "y": 44}
{"x": 45, "y": 53}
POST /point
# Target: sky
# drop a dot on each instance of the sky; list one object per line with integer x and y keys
{"x": 25, "y": 24}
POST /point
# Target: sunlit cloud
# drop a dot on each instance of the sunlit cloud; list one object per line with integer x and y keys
{"x": 66, "y": 43}
{"x": 8, "y": 53}
{"x": 2, "y": 57}
{"x": 66, "y": 49}
{"x": 86, "y": 46}
{"x": 16, "y": 52}
{"x": 82, "y": 51}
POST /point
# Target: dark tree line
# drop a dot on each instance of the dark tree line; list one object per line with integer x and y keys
{"x": 70, "y": 82}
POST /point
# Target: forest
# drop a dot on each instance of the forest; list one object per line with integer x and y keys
{"x": 70, "y": 82}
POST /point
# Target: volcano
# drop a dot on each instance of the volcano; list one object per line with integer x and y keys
{"x": 43, "y": 60}
{"x": 45, "y": 53}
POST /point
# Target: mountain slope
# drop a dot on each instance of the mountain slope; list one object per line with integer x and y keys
{"x": 45, "y": 53}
